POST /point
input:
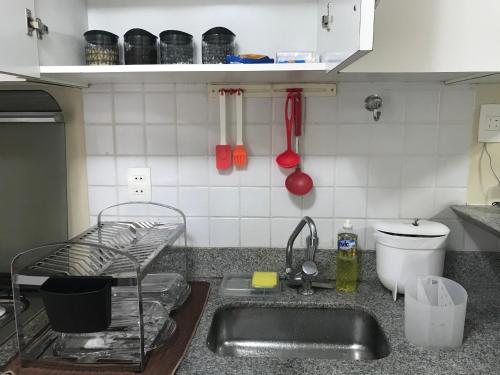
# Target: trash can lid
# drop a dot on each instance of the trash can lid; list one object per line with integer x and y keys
{"x": 415, "y": 228}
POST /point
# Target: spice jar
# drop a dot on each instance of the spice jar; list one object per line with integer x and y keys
{"x": 101, "y": 48}
{"x": 176, "y": 47}
{"x": 217, "y": 43}
{"x": 140, "y": 47}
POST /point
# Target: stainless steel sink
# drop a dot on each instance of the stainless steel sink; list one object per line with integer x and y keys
{"x": 287, "y": 332}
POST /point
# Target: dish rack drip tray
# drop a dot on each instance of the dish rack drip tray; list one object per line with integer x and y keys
{"x": 116, "y": 249}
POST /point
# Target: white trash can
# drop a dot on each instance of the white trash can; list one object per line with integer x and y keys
{"x": 406, "y": 250}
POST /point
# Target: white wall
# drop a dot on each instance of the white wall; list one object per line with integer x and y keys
{"x": 413, "y": 163}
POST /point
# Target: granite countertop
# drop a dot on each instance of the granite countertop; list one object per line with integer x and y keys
{"x": 487, "y": 217}
{"x": 478, "y": 354}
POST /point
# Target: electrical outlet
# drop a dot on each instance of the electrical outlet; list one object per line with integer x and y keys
{"x": 139, "y": 184}
{"x": 494, "y": 123}
{"x": 489, "y": 123}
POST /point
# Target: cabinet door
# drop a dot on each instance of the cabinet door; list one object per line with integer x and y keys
{"x": 349, "y": 34}
{"x": 18, "y": 50}
{"x": 434, "y": 36}
{"x": 67, "y": 21}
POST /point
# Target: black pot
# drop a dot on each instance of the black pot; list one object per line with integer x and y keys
{"x": 78, "y": 304}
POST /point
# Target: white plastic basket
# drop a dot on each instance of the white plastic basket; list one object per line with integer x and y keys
{"x": 435, "y": 312}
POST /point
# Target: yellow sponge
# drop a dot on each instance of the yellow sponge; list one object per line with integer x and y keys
{"x": 264, "y": 279}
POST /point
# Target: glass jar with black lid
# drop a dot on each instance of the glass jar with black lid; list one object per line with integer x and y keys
{"x": 217, "y": 43}
{"x": 101, "y": 48}
{"x": 176, "y": 47}
{"x": 140, "y": 47}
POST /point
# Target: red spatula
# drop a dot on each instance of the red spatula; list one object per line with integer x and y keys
{"x": 223, "y": 157}
{"x": 240, "y": 156}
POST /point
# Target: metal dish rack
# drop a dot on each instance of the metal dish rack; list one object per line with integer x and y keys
{"x": 141, "y": 242}
{"x": 124, "y": 250}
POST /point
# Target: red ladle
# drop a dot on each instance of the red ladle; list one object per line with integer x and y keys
{"x": 298, "y": 183}
{"x": 288, "y": 158}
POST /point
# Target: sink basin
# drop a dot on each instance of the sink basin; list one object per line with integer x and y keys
{"x": 287, "y": 332}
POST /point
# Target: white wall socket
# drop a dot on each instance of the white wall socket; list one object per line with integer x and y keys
{"x": 489, "y": 123}
{"x": 139, "y": 184}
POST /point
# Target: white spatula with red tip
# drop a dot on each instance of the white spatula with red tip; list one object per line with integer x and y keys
{"x": 223, "y": 156}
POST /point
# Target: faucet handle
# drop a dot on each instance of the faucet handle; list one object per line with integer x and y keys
{"x": 309, "y": 268}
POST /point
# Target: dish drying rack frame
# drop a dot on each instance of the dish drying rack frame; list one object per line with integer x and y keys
{"x": 124, "y": 250}
{"x": 139, "y": 242}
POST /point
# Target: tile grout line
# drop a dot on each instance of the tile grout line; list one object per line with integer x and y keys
{"x": 115, "y": 151}
{"x": 436, "y": 156}
{"x": 177, "y": 185}
{"x": 400, "y": 187}
{"x": 145, "y": 142}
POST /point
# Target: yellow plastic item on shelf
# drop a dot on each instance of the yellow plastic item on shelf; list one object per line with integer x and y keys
{"x": 264, "y": 279}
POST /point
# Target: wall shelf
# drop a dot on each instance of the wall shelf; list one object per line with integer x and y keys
{"x": 193, "y": 73}
{"x": 486, "y": 217}
{"x": 83, "y": 75}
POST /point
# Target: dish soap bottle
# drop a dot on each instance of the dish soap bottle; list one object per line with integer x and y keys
{"x": 347, "y": 259}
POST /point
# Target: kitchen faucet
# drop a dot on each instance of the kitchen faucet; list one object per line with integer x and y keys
{"x": 308, "y": 269}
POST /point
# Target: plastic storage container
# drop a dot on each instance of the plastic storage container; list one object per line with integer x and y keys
{"x": 78, "y": 304}
{"x": 435, "y": 312}
{"x": 296, "y": 57}
{"x": 217, "y": 43}
{"x": 236, "y": 285}
{"x": 170, "y": 289}
{"x": 176, "y": 47}
{"x": 101, "y": 48}
{"x": 140, "y": 47}
{"x": 119, "y": 339}
{"x": 406, "y": 250}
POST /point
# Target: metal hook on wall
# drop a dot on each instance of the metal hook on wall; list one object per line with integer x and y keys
{"x": 373, "y": 103}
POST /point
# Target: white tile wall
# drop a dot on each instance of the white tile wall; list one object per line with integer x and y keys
{"x": 224, "y": 232}
{"x": 129, "y": 108}
{"x": 99, "y": 140}
{"x": 98, "y": 108}
{"x": 255, "y": 232}
{"x": 350, "y": 202}
{"x": 414, "y": 162}
{"x": 159, "y": 107}
{"x": 255, "y": 201}
{"x": 161, "y": 139}
{"x": 130, "y": 140}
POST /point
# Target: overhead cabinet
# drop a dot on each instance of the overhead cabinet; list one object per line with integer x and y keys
{"x": 18, "y": 54}
{"x": 34, "y": 33}
{"x": 340, "y": 31}
{"x": 412, "y": 40}
{"x": 434, "y": 36}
